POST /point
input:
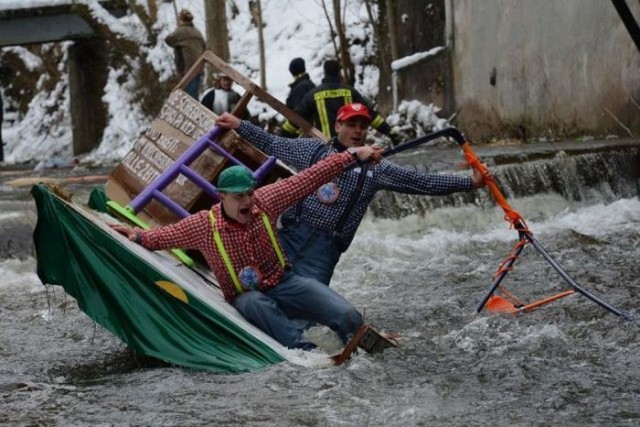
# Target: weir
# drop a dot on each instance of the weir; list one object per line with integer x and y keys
{"x": 587, "y": 173}
{"x": 594, "y": 173}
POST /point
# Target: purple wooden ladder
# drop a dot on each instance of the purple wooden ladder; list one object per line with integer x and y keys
{"x": 181, "y": 166}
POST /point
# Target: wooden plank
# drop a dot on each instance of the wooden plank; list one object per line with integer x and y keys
{"x": 241, "y": 106}
{"x": 195, "y": 69}
{"x": 180, "y": 122}
{"x": 263, "y": 96}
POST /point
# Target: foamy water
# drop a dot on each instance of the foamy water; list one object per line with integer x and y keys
{"x": 570, "y": 362}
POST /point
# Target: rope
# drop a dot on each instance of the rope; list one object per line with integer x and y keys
{"x": 511, "y": 215}
{"x": 501, "y": 270}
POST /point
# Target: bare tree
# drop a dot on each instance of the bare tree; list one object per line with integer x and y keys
{"x": 392, "y": 20}
{"x": 153, "y": 10}
{"x": 147, "y": 17}
{"x": 332, "y": 32}
{"x": 348, "y": 69}
{"x": 384, "y": 31}
{"x": 217, "y": 31}
{"x": 342, "y": 50}
{"x": 256, "y": 13}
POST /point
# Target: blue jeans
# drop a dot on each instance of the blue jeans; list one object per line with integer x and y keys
{"x": 311, "y": 251}
{"x": 302, "y": 298}
{"x": 193, "y": 87}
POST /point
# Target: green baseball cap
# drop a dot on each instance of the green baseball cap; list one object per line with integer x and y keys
{"x": 235, "y": 179}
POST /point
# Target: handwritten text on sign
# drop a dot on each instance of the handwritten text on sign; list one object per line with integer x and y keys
{"x": 181, "y": 120}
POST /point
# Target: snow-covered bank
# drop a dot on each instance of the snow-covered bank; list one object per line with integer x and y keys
{"x": 45, "y": 130}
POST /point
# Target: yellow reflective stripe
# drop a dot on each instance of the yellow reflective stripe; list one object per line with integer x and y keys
{"x": 272, "y": 236}
{"x": 321, "y": 106}
{"x": 320, "y": 98}
{"x": 224, "y": 254}
{"x": 377, "y": 121}
{"x": 332, "y": 93}
{"x": 289, "y": 127}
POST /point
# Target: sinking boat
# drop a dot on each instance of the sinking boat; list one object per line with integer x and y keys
{"x": 150, "y": 300}
{"x": 167, "y": 305}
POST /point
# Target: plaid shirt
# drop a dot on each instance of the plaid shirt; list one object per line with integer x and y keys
{"x": 247, "y": 245}
{"x": 299, "y": 153}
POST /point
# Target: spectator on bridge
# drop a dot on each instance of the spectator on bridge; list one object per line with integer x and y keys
{"x": 188, "y": 44}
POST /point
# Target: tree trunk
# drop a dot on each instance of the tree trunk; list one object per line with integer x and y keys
{"x": 256, "y": 12}
{"x": 348, "y": 69}
{"x": 217, "y": 31}
{"x": 385, "y": 40}
{"x": 153, "y": 10}
{"x": 332, "y": 33}
{"x": 392, "y": 19}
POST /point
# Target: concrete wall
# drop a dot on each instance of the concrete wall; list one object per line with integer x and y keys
{"x": 528, "y": 69}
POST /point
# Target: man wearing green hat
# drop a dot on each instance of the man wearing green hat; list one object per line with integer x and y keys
{"x": 238, "y": 240}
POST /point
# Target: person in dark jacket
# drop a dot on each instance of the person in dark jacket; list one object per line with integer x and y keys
{"x": 188, "y": 44}
{"x": 320, "y": 106}
{"x": 301, "y": 82}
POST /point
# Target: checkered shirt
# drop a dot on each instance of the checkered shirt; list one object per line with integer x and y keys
{"x": 250, "y": 244}
{"x": 299, "y": 153}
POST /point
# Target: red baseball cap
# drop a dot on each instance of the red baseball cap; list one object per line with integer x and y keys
{"x": 353, "y": 110}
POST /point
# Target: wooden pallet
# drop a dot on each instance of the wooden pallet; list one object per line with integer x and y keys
{"x": 367, "y": 339}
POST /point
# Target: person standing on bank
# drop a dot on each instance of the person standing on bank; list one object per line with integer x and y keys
{"x": 221, "y": 98}
{"x": 320, "y": 106}
{"x": 188, "y": 45}
{"x": 301, "y": 82}
{"x": 317, "y": 230}
{"x": 237, "y": 239}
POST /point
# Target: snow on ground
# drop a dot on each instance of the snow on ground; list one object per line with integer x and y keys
{"x": 292, "y": 29}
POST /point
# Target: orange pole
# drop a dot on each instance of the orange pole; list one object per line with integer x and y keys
{"x": 511, "y": 214}
{"x": 536, "y": 304}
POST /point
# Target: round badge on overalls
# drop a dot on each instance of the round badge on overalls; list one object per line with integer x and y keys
{"x": 250, "y": 277}
{"x": 328, "y": 193}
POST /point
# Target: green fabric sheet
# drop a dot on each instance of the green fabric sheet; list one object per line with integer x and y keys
{"x": 118, "y": 290}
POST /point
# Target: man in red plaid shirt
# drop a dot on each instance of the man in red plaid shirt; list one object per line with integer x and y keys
{"x": 238, "y": 241}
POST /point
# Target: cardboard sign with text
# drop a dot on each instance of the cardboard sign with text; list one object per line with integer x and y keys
{"x": 181, "y": 121}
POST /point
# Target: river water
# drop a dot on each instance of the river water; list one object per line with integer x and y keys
{"x": 417, "y": 268}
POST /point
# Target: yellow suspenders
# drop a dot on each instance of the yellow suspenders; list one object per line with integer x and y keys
{"x": 272, "y": 236}
{"x": 225, "y": 256}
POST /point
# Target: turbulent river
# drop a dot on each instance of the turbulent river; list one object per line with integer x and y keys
{"x": 418, "y": 267}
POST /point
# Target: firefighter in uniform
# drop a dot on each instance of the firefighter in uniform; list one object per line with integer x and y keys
{"x": 320, "y": 105}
